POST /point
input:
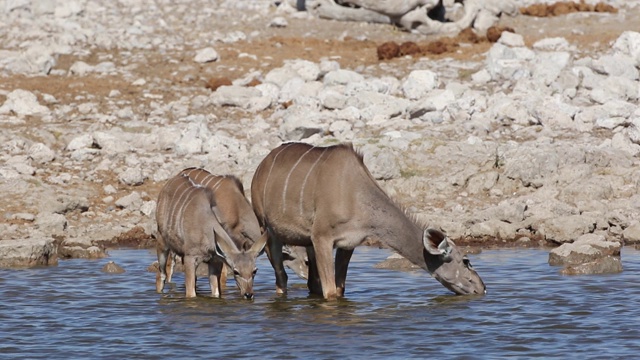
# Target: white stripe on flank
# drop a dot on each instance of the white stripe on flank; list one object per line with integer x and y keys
{"x": 286, "y": 182}
{"x": 304, "y": 183}
{"x": 194, "y": 184}
{"x": 173, "y": 215}
{"x": 183, "y": 208}
{"x": 266, "y": 182}
{"x": 172, "y": 202}
{"x": 217, "y": 184}
{"x": 188, "y": 173}
{"x": 208, "y": 177}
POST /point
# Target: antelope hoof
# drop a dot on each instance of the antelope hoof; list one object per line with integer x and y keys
{"x": 281, "y": 291}
{"x": 331, "y": 296}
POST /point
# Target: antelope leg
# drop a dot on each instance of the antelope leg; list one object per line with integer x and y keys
{"x": 274, "y": 252}
{"x": 313, "y": 279}
{"x": 324, "y": 260}
{"x": 216, "y": 268}
{"x": 342, "y": 263}
{"x": 171, "y": 266}
{"x": 190, "y": 276}
{"x": 162, "y": 266}
{"x": 223, "y": 277}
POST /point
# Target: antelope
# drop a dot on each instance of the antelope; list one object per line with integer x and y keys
{"x": 238, "y": 218}
{"x": 326, "y": 198}
{"x": 296, "y": 259}
{"x": 189, "y": 225}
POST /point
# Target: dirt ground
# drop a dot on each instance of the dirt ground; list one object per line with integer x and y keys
{"x": 316, "y": 39}
{"x": 353, "y": 45}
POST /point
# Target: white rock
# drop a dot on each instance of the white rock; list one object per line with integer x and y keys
{"x": 481, "y": 77}
{"x": 222, "y": 146}
{"x": 278, "y": 22}
{"x": 269, "y": 90}
{"x": 11, "y": 5}
{"x": 375, "y": 105}
{"x": 616, "y": 65}
{"x": 552, "y": 44}
{"x": 132, "y": 201}
{"x": 80, "y": 68}
{"x": 301, "y": 124}
{"x": 629, "y": 44}
{"x": 307, "y": 70}
{"x": 382, "y": 163}
{"x": 279, "y": 76}
{"x": 51, "y": 224}
{"x": 68, "y": 8}
{"x": 291, "y": 89}
{"x": 332, "y": 98}
{"x": 622, "y": 142}
{"x": 112, "y": 142}
{"x": 191, "y": 140}
{"x": 549, "y": 65}
{"x": 341, "y": 77}
{"x": 418, "y": 83}
{"x": 139, "y": 82}
{"x": 132, "y": 176}
{"x": 206, "y": 55}
{"x": 148, "y": 208}
{"x": 506, "y": 62}
{"x": 23, "y": 102}
{"x": 615, "y": 88}
{"x": 28, "y": 252}
{"x": 235, "y": 96}
{"x": 37, "y": 59}
{"x": 511, "y": 39}
{"x": 41, "y": 153}
{"x": 484, "y": 20}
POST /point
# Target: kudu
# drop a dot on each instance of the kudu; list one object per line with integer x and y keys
{"x": 296, "y": 259}
{"x": 326, "y": 198}
{"x": 238, "y": 218}
{"x": 189, "y": 225}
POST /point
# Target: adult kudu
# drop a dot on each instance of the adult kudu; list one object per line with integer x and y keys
{"x": 325, "y": 197}
{"x": 189, "y": 225}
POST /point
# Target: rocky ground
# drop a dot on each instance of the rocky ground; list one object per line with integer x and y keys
{"x": 529, "y": 140}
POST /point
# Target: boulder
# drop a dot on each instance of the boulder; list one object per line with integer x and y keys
{"x": 605, "y": 265}
{"x": 80, "y": 248}
{"x": 28, "y": 253}
{"x": 396, "y": 262}
{"x": 631, "y": 235}
{"x": 113, "y": 268}
{"x": 587, "y": 248}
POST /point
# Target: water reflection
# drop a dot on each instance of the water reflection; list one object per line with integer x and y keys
{"x": 76, "y": 311}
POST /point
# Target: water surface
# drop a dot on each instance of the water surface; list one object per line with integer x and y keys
{"x": 75, "y": 311}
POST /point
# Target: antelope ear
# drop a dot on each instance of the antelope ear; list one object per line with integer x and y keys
{"x": 435, "y": 242}
{"x": 224, "y": 245}
{"x": 287, "y": 253}
{"x": 258, "y": 247}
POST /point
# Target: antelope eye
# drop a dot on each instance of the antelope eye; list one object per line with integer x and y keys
{"x": 236, "y": 272}
{"x": 254, "y": 272}
{"x": 466, "y": 262}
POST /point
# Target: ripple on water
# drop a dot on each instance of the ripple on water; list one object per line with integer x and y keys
{"x": 76, "y": 311}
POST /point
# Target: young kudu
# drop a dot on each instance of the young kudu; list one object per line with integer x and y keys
{"x": 239, "y": 220}
{"x": 326, "y": 198}
{"x": 189, "y": 225}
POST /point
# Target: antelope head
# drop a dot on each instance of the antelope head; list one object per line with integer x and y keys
{"x": 296, "y": 259}
{"x": 241, "y": 261}
{"x": 449, "y": 266}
